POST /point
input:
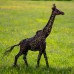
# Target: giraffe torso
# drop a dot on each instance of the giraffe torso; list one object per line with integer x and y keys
{"x": 36, "y": 41}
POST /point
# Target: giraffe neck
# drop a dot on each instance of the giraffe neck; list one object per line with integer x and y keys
{"x": 48, "y": 27}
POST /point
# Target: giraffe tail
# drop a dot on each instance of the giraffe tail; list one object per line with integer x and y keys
{"x": 11, "y": 48}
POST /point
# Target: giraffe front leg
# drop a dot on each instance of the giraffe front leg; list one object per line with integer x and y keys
{"x": 46, "y": 59}
{"x": 39, "y": 57}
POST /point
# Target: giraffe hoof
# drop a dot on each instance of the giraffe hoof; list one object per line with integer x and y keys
{"x": 15, "y": 65}
{"x": 37, "y": 66}
{"x": 47, "y": 66}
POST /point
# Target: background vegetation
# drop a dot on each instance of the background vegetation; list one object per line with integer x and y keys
{"x": 21, "y": 19}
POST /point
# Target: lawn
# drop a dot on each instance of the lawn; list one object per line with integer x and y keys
{"x": 21, "y": 19}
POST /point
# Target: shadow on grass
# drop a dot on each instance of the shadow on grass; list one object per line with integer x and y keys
{"x": 32, "y": 70}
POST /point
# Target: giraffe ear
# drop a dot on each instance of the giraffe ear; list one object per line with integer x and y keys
{"x": 54, "y": 7}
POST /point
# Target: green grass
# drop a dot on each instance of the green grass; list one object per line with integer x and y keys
{"x": 21, "y": 19}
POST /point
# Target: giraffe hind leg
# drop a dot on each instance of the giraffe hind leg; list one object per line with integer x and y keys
{"x": 24, "y": 57}
{"x": 16, "y": 58}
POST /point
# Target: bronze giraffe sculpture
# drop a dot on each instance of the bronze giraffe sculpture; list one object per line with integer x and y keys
{"x": 37, "y": 42}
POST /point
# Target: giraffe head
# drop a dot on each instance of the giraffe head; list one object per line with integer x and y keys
{"x": 56, "y": 11}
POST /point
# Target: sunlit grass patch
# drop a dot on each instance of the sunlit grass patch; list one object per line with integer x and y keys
{"x": 10, "y": 7}
{"x": 41, "y": 20}
{"x": 13, "y": 5}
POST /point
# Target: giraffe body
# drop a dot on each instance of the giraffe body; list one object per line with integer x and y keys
{"x": 38, "y": 41}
